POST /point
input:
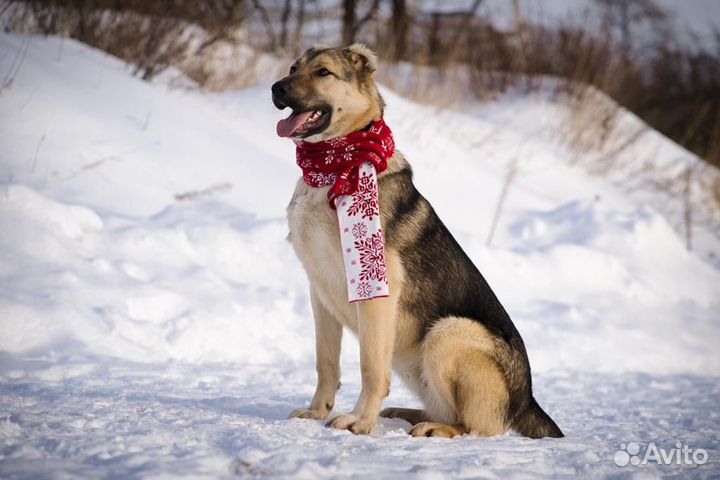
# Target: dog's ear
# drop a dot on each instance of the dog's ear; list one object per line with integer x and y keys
{"x": 362, "y": 58}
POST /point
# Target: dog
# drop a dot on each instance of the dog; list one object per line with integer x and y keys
{"x": 442, "y": 329}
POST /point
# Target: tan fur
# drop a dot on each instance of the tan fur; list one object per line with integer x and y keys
{"x": 376, "y": 331}
{"x": 328, "y": 335}
{"x": 354, "y": 104}
{"x": 464, "y": 384}
{"x": 452, "y": 369}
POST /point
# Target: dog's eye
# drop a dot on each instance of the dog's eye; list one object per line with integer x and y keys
{"x": 293, "y": 69}
{"x": 324, "y": 72}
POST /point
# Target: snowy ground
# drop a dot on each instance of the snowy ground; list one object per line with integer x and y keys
{"x": 154, "y": 322}
{"x": 132, "y": 420}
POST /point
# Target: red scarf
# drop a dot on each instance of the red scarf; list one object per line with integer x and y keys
{"x": 337, "y": 161}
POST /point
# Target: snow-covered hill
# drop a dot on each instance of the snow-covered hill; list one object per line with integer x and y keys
{"x": 154, "y": 321}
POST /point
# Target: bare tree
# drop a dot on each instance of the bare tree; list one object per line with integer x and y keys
{"x": 351, "y": 25}
{"x": 348, "y": 21}
{"x": 461, "y": 20}
{"x": 625, "y": 14}
{"x": 517, "y": 16}
{"x": 299, "y": 23}
{"x": 399, "y": 29}
{"x": 265, "y": 16}
{"x": 284, "y": 19}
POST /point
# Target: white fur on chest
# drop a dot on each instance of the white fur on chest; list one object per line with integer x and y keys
{"x": 315, "y": 237}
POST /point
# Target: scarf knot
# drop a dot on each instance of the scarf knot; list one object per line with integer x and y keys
{"x": 336, "y": 162}
{"x": 349, "y": 166}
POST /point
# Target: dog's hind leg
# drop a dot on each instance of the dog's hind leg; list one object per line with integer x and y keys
{"x": 466, "y": 390}
{"x": 411, "y": 415}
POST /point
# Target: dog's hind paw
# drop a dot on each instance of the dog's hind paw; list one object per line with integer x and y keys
{"x": 433, "y": 429}
{"x": 410, "y": 415}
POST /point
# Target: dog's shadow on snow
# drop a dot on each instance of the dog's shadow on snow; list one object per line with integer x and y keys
{"x": 52, "y": 382}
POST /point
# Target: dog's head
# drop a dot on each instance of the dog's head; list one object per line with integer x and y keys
{"x": 331, "y": 92}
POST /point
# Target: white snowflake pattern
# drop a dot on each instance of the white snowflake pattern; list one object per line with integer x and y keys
{"x": 320, "y": 179}
{"x": 337, "y": 142}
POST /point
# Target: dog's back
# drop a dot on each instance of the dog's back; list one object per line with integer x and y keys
{"x": 447, "y": 284}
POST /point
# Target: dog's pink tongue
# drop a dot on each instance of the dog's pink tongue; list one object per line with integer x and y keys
{"x": 289, "y": 125}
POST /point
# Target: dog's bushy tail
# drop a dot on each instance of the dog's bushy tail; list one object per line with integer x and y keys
{"x": 535, "y": 423}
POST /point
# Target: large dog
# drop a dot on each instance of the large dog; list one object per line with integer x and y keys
{"x": 441, "y": 328}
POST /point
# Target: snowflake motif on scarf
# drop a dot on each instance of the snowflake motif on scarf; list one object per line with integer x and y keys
{"x": 322, "y": 178}
{"x": 364, "y": 290}
{"x": 365, "y": 200}
{"x": 372, "y": 258}
{"x": 359, "y": 230}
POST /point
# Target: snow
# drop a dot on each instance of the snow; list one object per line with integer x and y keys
{"x": 171, "y": 421}
{"x": 154, "y": 322}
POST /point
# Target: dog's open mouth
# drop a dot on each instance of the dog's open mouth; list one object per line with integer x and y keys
{"x": 303, "y": 124}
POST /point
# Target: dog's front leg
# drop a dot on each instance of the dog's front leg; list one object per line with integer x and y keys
{"x": 328, "y": 337}
{"x": 376, "y": 335}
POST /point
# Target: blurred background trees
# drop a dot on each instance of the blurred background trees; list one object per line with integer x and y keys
{"x": 629, "y": 49}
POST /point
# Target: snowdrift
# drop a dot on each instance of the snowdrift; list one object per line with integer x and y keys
{"x": 148, "y": 224}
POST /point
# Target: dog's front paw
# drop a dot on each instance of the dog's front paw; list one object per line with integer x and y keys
{"x": 310, "y": 413}
{"x": 357, "y": 425}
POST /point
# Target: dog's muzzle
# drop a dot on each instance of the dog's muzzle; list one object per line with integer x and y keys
{"x": 279, "y": 94}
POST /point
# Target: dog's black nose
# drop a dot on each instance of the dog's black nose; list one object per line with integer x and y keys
{"x": 279, "y": 94}
{"x": 279, "y": 88}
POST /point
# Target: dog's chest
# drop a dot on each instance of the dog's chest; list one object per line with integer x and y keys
{"x": 315, "y": 237}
